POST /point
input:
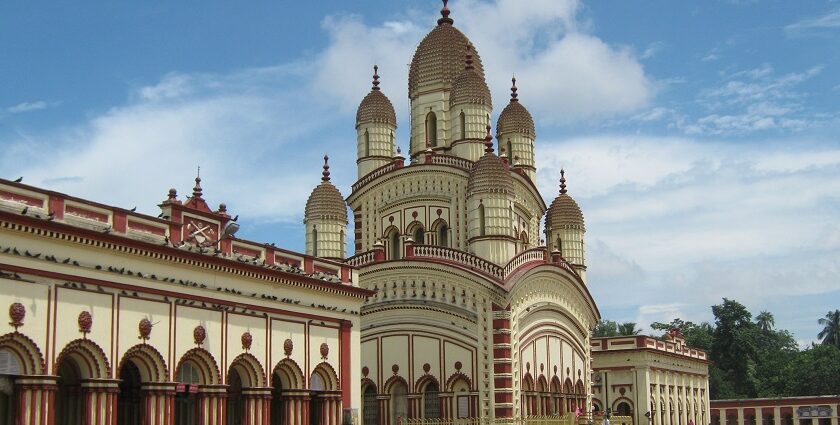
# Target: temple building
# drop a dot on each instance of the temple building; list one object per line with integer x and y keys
{"x": 465, "y": 295}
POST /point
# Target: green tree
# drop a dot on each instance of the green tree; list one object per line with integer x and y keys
{"x": 765, "y": 321}
{"x": 830, "y": 334}
{"x": 696, "y": 336}
{"x": 815, "y": 371}
{"x": 605, "y": 328}
{"x": 628, "y": 329}
{"x": 733, "y": 349}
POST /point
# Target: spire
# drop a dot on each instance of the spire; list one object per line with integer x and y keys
{"x": 488, "y": 142}
{"x": 375, "y": 78}
{"x": 197, "y": 188}
{"x": 513, "y": 95}
{"x": 469, "y": 64}
{"x": 326, "y": 172}
{"x": 445, "y": 19}
{"x": 562, "y": 182}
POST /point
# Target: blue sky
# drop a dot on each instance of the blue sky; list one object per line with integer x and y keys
{"x": 700, "y": 137}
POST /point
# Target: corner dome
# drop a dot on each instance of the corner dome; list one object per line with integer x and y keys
{"x": 564, "y": 212}
{"x": 469, "y": 87}
{"x": 515, "y": 118}
{"x": 325, "y": 201}
{"x": 489, "y": 174}
{"x": 376, "y": 108}
{"x": 439, "y": 57}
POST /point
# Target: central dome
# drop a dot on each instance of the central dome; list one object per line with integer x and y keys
{"x": 439, "y": 58}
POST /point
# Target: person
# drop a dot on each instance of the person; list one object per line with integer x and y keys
{"x": 606, "y": 420}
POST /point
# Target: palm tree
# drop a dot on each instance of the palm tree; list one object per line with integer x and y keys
{"x": 765, "y": 321}
{"x": 628, "y": 329}
{"x": 830, "y": 334}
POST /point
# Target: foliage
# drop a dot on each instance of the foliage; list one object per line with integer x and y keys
{"x": 697, "y": 336}
{"x": 765, "y": 321}
{"x": 608, "y": 328}
{"x": 830, "y": 334}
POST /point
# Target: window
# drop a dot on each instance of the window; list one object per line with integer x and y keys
{"x": 314, "y": 242}
{"x": 431, "y": 401}
{"x": 443, "y": 235}
{"x": 419, "y": 235}
{"x": 463, "y": 121}
{"x": 399, "y": 405}
{"x": 394, "y": 245}
{"x": 481, "y": 219}
{"x": 431, "y": 129}
{"x": 370, "y": 408}
{"x": 367, "y": 143}
{"x": 342, "y": 243}
{"x": 510, "y": 151}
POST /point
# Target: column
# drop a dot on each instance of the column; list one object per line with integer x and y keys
{"x": 35, "y": 397}
{"x": 212, "y": 404}
{"x": 502, "y": 364}
{"x": 159, "y": 402}
{"x": 99, "y": 403}
{"x": 384, "y": 414}
{"x": 415, "y": 409}
{"x": 257, "y": 406}
{"x": 740, "y": 416}
{"x": 294, "y": 402}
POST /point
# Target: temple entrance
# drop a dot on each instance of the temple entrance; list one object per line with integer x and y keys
{"x": 316, "y": 384}
{"x": 129, "y": 402}
{"x": 370, "y": 408}
{"x": 9, "y": 369}
{"x": 68, "y": 397}
{"x": 235, "y": 401}
{"x": 186, "y": 398}
{"x": 278, "y": 413}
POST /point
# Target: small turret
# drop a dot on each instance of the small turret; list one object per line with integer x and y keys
{"x": 515, "y": 131}
{"x": 325, "y": 219}
{"x": 470, "y": 105}
{"x": 565, "y": 228}
{"x": 376, "y": 124}
{"x": 489, "y": 202}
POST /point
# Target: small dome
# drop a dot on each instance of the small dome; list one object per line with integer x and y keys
{"x": 439, "y": 56}
{"x": 469, "y": 87}
{"x": 376, "y": 108}
{"x": 564, "y": 212}
{"x": 326, "y": 201}
{"x": 515, "y": 118}
{"x": 489, "y": 174}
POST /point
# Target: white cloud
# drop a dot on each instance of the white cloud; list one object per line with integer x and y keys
{"x": 652, "y": 49}
{"x": 829, "y": 21}
{"x": 30, "y": 106}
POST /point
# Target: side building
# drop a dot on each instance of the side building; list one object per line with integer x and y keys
{"x": 650, "y": 380}
{"x": 806, "y": 410}
{"x": 116, "y": 317}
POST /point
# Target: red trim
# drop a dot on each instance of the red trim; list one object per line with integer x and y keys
{"x": 23, "y": 199}
{"x": 345, "y": 366}
{"x": 88, "y": 214}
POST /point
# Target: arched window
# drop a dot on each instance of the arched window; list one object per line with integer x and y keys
{"x": 481, "y": 229}
{"x": 559, "y": 244}
{"x": 392, "y": 239}
{"x": 510, "y": 151}
{"x": 367, "y": 143}
{"x": 463, "y": 121}
{"x": 431, "y": 401}
{"x": 443, "y": 235}
{"x": 623, "y": 409}
{"x": 399, "y": 404}
{"x": 235, "y": 401}
{"x": 314, "y": 242}
{"x": 431, "y": 129}
{"x": 342, "y": 242}
{"x": 68, "y": 398}
{"x": 129, "y": 407}
{"x": 185, "y": 401}
{"x": 417, "y": 232}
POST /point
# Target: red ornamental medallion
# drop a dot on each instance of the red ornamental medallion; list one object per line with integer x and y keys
{"x": 395, "y": 368}
{"x": 365, "y": 371}
{"x": 199, "y": 334}
{"x": 426, "y": 367}
{"x": 247, "y": 339}
{"x": 325, "y": 350}
{"x": 288, "y": 345}
{"x": 145, "y": 327}
{"x": 85, "y": 322}
{"x": 458, "y": 366}
{"x": 17, "y": 312}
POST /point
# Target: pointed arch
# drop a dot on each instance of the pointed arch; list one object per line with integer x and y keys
{"x": 326, "y": 372}
{"x": 314, "y": 241}
{"x": 25, "y": 351}
{"x": 441, "y": 229}
{"x": 555, "y": 384}
{"x": 463, "y": 121}
{"x": 89, "y": 357}
{"x": 579, "y": 388}
{"x": 417, "y": 232}
{"x": 149, "y": 362}
{"x": 290, "y": 375}
{"x": 250, "y": 371}
{"x": 528, "y": 382}
{"x": 204, "y": 363}
{"x": 367, "y": 382}
{"x": 423, "y": 381}
{"x": 568, "y": 388}
{"x": 542, "y": 384}
{"x": 481, "y": 220}
{"x": 389, "y": 384}
{"x": 367, "y": 143}
{"x": 456, "y": 377}
{"x": 392, "y": 240}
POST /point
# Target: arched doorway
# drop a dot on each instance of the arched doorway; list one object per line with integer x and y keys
{"x": 370, "y": 408}
{"x": 235, "y": 401}
{"x": 129, "y": 405}
{"x": 10, "y": 368}
{"x": 285, "y": 381}
{"x": 431, "y": 400}
{"x": 68, "y": 396}
{"x": 186, "y": 397}
{"x": 317, "y": 385}
{"x": 399, "y": 401}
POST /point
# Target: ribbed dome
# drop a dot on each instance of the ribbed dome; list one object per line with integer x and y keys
{"x": 564, "y": 211}
{"x": 376, "y": 107}
{"x": 439, "y": 57}
{"x": 515, "y": 118}
{"x": 469, "y": 87}
{"x": 489, "y": 174}
{"x": 325, "y": 201}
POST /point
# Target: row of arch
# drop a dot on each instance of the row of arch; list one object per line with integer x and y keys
{"x": 426, "y": 399}
{"x": 543, "y": 398}
{"x": 620, "y": 407}
{"x": 438, "y": 236}
{"x": 81, "y": 373}
{"x": 694, "y": 411}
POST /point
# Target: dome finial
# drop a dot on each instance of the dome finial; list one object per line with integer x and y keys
{"x": 326, "y": 172}
{"x": 513, "y": 95}
{"x": 375, "y": 78}
{"x": 445, "y": 19}
{"x": 469, "y": 55}
{"x": 197, "y": 188}
{"x": 488, "y": 142}
{"x": 562, "y": 182}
